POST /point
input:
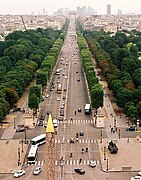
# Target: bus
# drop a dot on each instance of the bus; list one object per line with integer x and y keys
{"x": 32, "y": 155}
{"x": 38, "y": 140}
{"x": 58, "y": 72}
{"x": 87, "y": 109}
{"x": 59, "y": 88}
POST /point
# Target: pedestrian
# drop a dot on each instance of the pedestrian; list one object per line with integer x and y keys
{"x": 86, "y": 149}
{"x": 80, "y": 160}
{"x": 128, "y": 140}
{"x": 70, "y": 154}
{"x": 82, "y": 151}
{"x": 75, "y": 112}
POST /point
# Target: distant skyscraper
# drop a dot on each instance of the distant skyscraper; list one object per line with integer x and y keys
{"x": 109, "y": 9}
{"x": 119, "y": 12}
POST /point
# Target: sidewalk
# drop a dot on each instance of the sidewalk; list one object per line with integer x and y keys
{"x": 127, "y": 158}
{"x": 9, "y": 156}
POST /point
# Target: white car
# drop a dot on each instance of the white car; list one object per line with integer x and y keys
{"x": 47, "y": 95}
{"x": 92, "y": 163}
{"x": 136, "y": 178}
{"x": 66, "y": 77}
{"x": 19, "y": 173}
{"x": 139, "y": 173}
{"x": 37, "y": 170}
{"x": 58, "y": 99}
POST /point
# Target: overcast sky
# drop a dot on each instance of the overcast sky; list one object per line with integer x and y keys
{"x": 27, "y": 6}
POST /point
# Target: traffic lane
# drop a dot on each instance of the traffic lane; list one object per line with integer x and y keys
{"x": 90, "y": 173}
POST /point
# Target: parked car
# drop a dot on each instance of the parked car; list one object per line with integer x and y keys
{"x": 19, "y": 173}
{"x": 92, "y": 163}
{"x": 131, "y": 128}
{"x": 20, "y": 129}
{"x": 81, "y": 133}
{"x": 16, "y": 109}
{"x": 37, "y": 170}
{"x": 79, "y": 171}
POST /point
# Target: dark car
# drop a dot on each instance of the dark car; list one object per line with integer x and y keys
{"x": 131, "y": 128}
{"x": 71, "y": 140}
{"x": 78, "y": 80}
{"x": 61, "y": 113}
{"x": 79, "y": 171}
{"x": 16, "y": 109}
{"x": 42, "y": 117}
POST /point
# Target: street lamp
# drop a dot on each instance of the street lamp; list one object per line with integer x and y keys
{"x": 25, "y": 136}
{"x": 119, "y": 133}
{"x": 107, "y": 165}
{"x": 114, "y": 121}
{"x": 104, "y": 153}
{"x": 22, "y": 146}
{"x": 101, "y": 136}
{"x": 14, "y": 123}
{"x": 19, "y": 157}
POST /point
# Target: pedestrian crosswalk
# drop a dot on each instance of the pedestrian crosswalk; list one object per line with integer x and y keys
{"x": 77, "y": 121}
{"x": 66, "y": 162}
{"x": 92, "y": 141}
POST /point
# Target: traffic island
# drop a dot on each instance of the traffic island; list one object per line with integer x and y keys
{"x": 127, "y": 157}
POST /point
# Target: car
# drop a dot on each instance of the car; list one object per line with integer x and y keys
{"x": 55, "y": 125}
{"x": 19, "y": 173}
{"x": 37, "y": 170}
{"x": 79, "y": 171}
{"x": 65, "y": 89}
{"x": 47, "y": 95}
{"x": 131, "y": 128}
{"x": 136, "y": 178}
{"x": 79, "y": 109}
{"x": 42, "y": 117}
{"x": 61, "y": 112}
{"x": 58, "y": 81}
{"x": 92, "y": 163}
{"x": 63, "y": 74}
{"x": 81, "y": 133}
{"x": 20, "y": 129}
{"x": 58, "y": 99}
{"x": 62, "y": 107}
{"x": 60, "y": 118}
{"x": 66, "y": 77}
{"x": 64, "y": 97}
{"x": 76, "y": 71}
{"x": 63, "y": 103}
{"x": 71, "y": 140}
{"x": 139, "y": 173}
{"x": 16, "y": 109}
{"x": 40, "y": 123}
{"x": 51, "y": 89}
{"x": 78, "y": 80}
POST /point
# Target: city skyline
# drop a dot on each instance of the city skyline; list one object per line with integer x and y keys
{"x": 37, "y": 6}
